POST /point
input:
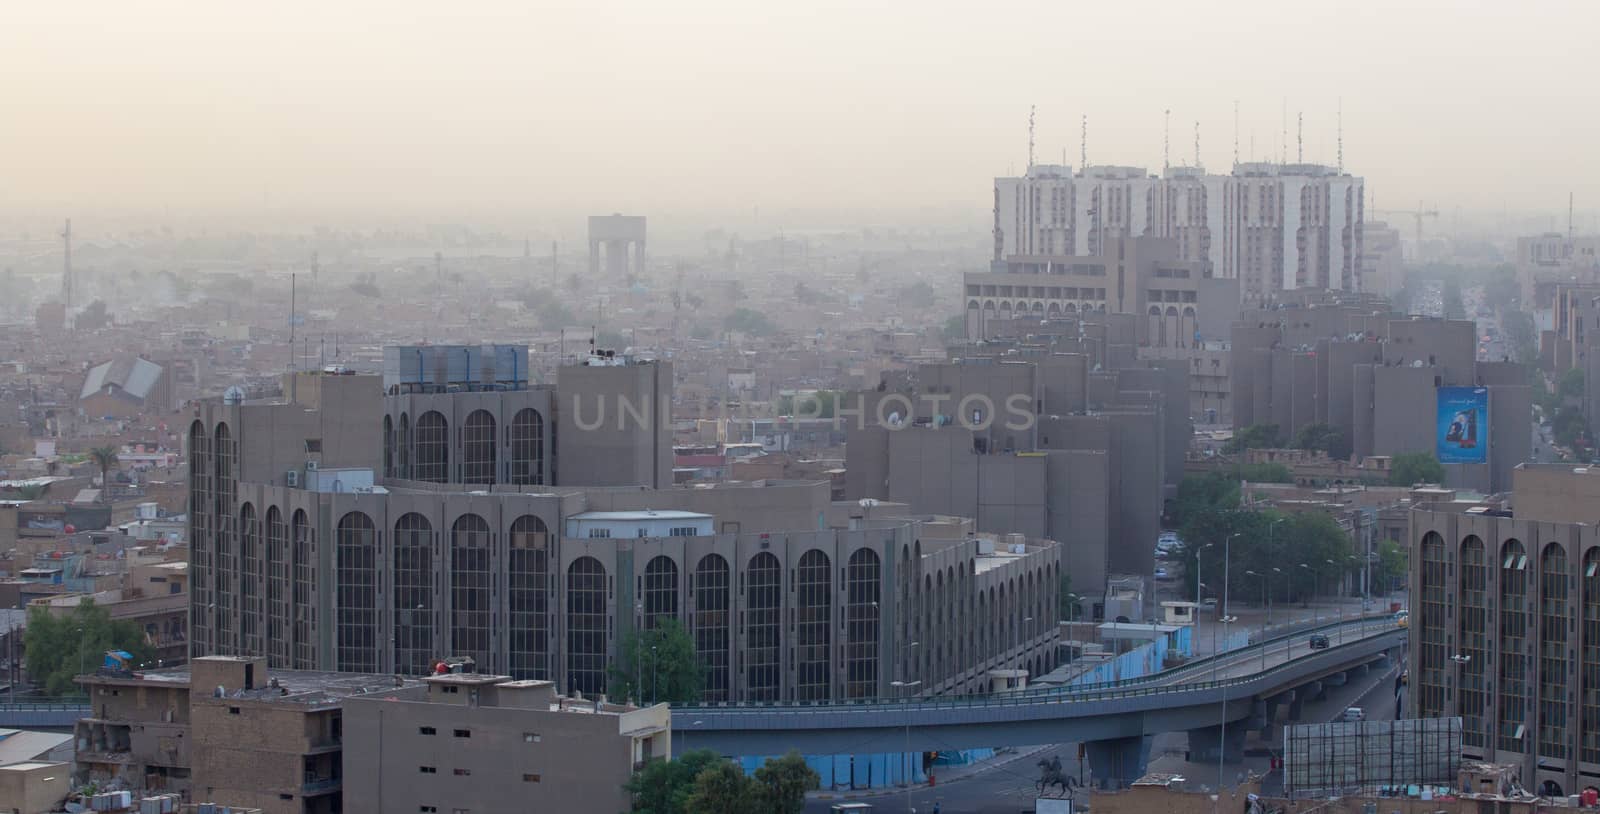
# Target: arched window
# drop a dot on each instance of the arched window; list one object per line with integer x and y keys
{"x": 527, "y": 448}
{"x": 1513, "y": 689}
{"x": 414, "y": 648}
{"x": 202, "y": 549}
{"x": 471, "y": 616}
{"x": 227, "y": 596}
{"x": 529, "y": 577}
{"x": 863, "y": 590}
{"x": 1589, "y": 671}
{"x": 303, "y": 549}
{"x": 763, "y": 598}
{"x": 356, "y": 594}
{"x": 277, "y": 589}
{"x": 433, "y": 448}
{"x": 478, "y": 448}
{"x": 586, "y": 626}
{"x": 250, "y": 579}
{"x": 1431, "y": 681}
{"x": 711, "y": 624}
{"x": 388, "y": 447}
{"x": 1553, "y": 662}
{"x": 402, "y": 448}
{"x": 1472, "y": 603}
{"x": 813, "y": 628}
{"x": 660, "y": 591}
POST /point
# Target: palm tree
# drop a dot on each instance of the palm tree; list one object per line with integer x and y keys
{"x": 105, "y": 458}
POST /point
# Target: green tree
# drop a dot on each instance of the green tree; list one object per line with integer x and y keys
{"x": 917, "y": 295}
{"x": 1263, "y": 540}
{"x": 1571, "y": 386}
{"x": 820, "y": 404}
{"x": 1409, "y": 468}
{"x": 955, "y": 329}
{"x": 57, "y": 648}
{"x": 1392, "y": 565}
{"x": 723, "y": 788}
{"x": 1324, "y": 438}
{"x": 1257, "y": 436}
{"x": 749, "y": 321}
{"x": 783, "y": 783}
{"x": 663, "y": 786}
{"x": 657, "y": 665}
{"x": 105, "y": 458}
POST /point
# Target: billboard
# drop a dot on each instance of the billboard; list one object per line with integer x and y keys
{"x": 1368, "y": 757}
{"x": 1462, "y": 427}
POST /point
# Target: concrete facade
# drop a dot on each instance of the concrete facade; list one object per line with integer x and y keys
{"x": 1504, "y": 628}
{"x": 477, "y": 742}
{"x": 1271, "y": 226}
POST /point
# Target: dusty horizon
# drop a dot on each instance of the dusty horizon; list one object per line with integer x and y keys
{"x": 721, "y": 108}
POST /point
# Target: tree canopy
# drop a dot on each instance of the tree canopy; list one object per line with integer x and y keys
{"x": 701, "y": 781}
{"x": 1260, "y": 542}
{"x": 657, "y": 665}
{"x": 1324, "y": 438}
{"x": 749, "y": 321}
{"x": 57, "y": 648}
{"x": 1255, "y": 436}
{"x": 1410, "y": 468}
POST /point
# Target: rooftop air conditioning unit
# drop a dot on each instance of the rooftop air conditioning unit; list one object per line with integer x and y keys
{"x": 291, "y": 479}
{"x": 311, "y": 466}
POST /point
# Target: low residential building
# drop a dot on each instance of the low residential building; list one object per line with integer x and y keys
{"x": 241, "y": 738}
{"x": 34, "y": 787}
{"x": 473, "y": 742}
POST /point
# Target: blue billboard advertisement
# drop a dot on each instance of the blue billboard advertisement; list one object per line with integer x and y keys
{"x": 1463, "y": 425}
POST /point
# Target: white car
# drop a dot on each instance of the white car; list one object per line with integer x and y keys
{"x": 1353, "y": 714}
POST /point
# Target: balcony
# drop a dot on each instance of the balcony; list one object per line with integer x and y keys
{"x": 320, "y": 785}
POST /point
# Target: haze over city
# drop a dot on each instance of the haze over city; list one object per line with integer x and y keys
{"x": 817, "y": 113}
{"x": 717, "y": 408}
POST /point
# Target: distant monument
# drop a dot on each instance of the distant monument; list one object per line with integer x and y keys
{"x": 616, "y": 234}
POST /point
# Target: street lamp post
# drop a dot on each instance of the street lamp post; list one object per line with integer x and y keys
{"x": 906, "y": 687}
{"x": 1222, "y": 728}
{"x": 1316, "y": 617}
{"x": 1271, "y": 527}
{"x": 1263, "y": 643}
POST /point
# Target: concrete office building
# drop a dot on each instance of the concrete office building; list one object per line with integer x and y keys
{"x": 1375, "y": 376}
{"x": 1549, "y": 260}
{"x": 1382, "y": 262}
{"x": 1273, "y": 227}
{"x": 223, "y": 730}
{"x": 1047, "y": 447}
{"x": 485, "y": 743}
{"x": 302, "y": 555}
{"x": 1505, "y": 627}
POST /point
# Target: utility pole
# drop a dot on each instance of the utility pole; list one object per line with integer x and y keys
{"x": 66, "y": 265}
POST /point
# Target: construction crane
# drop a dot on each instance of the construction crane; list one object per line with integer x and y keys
{"x": 1419, "y": 213}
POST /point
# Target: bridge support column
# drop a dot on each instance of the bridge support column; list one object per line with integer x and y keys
{"x": 1117, "y": 762}
{"x": 1270, "y": 713}
{"x": 1356, "y": 672}
{"x": 1205, "y": 741}
{"x": 1335, "y": 680}
{"x": 1297, "y": 707}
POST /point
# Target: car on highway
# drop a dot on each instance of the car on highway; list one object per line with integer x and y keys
{"x": 1353, "y": 714}
{"x": 1319, "y": 642}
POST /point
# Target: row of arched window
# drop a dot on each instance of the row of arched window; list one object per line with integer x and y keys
{"x": 1522, "y": 650}
{"x": 421, "y": 450}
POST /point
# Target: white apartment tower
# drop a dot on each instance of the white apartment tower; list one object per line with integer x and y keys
{"x": 1274, "y": 227}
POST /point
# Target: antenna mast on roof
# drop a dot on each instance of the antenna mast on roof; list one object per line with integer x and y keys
{"x": 1340, "y": 128}
{"x": 1083, "y": 143}
{"x": 1166, "y": 140}
{"x": 1197, "y": 145}
{"x": 1030, "y": 137}
{"x": 291, "y": 321}
{"x": 66, "y": 265}
{"x": 1300, "y": 137}
{"x": 1236, "y": 133}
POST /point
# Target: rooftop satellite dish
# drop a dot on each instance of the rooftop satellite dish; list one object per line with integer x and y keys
{"x": 233, "y": 395}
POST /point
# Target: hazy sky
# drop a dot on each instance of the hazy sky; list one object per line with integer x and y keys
{"x": 715, "y": 106}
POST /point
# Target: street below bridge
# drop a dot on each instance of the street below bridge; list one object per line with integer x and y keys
{"x": 1007, "y": 782}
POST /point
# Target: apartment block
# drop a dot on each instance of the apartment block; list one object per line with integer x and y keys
{"x": 473, "y": 742}
{"x": 223, "y": 730}
{"x": 1273, "y": 227}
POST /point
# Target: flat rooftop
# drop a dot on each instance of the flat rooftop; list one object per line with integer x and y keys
{"x": 309, "y": 687}
{"x": 646, "y": 514}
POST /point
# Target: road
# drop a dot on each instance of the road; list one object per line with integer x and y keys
{"x": 1006, "y": 783}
